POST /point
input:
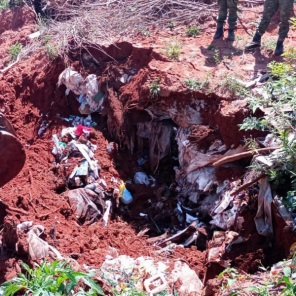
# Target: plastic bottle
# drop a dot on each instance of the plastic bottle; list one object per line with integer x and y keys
{"x": 124, "y": 194}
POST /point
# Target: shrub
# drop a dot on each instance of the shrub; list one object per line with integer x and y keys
{"x": 52, "y": 279}
{"x": 15, "y": 50}
{"x": 193, "y": 31}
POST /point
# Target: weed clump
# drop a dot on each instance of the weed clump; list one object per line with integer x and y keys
{"x": 15, "y": 50}
{"x": 193, "y": 31}
{"x": 173, "y": 49}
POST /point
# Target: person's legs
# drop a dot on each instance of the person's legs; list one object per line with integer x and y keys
{"x": 221, "y": 18}
{"x": 270, "y": 8}
{"x": 286, "y": 8}
{"x": 232, "y": 18}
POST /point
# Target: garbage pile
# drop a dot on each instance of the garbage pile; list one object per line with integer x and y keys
{"x": 126, "y": 275}
{"x": 89, "y": 96}
{"x": 72, "y": 144}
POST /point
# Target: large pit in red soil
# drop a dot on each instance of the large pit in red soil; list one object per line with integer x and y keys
{"x": 30, "y": 96}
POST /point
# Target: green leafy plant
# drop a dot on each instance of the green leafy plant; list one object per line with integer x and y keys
{"x": 173, "y": 49}
{"x": 52, "y": 279}
{"x": 216, "y": 56}
{"x": 230, "y": 275}
{"x": 192, "y": 84}
{"x": 234, "y": 87}
{"x": 50, "y": 47}
{"x": 154, "y": 88}
{"x": 4, "y": 4}
{"x": 288, "y": 279}
{"x": 193, "y": 31}
{"x": 15, "y": 50}
{"x": 269, "y": 44}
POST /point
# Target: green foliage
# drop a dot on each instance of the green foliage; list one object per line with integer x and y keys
{"x": 154, "y": 88}
{"x": 269, "y": 44}
{"x": 50, "y": 47}
{"x": 278, "y": 100}
{"x": 193, "y": 85}
{"x": 173, "y": 49}
{"x": 4, "y": 4}
{"x": 216, "y": 56}
{"x": 15, "y": 50}
{"x": 52, "y": 279}
{"x": 230, "y": 275}
{"x": 288, "y": 279}
{"x": 234, "y": 87}
{"x": 193, "y": 31}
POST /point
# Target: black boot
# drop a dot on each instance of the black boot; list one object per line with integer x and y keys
{"x": 219, "y": 31}
{"x": 256, "y": 42}
{"x": 279, "y": 47}
{"x": 231, "y": 36}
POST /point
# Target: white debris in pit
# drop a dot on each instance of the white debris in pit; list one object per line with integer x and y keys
{"x": 194, "y": 172}
{"x": 90, "y": 98}
{"x": 38, "y": 248}
{"x": 152, "y": 276}
{"x": 183, "y": 115}
{"x": 221, "y": 243}
{"x": 142, "y": 178}
{"x": 189, "y": 282}
{"x": 159, "y": 135}
{"x": 74, "y": 141}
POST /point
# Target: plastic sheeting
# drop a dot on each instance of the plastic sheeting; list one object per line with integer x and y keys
{"x": 263, "y": 218}
{"x": 88, "y": 89}
{"x": 86, "y": 204}
{"x": 38, "y": 248}
{"x": 159, "y": 135}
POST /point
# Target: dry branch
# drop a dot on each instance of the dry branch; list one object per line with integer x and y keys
{"x": 243, "y": 155}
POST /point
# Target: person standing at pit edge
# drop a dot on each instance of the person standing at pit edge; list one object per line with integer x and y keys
{"x": 225, "y": 6}
{"x": 270, "y": 8}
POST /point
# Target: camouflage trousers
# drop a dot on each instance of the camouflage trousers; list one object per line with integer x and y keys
{"x": 270, "y": 8}
{"x": 229, "y": 6}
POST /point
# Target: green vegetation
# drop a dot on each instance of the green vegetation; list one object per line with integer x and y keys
{"x": 52, "y": 279}
{"x": 15, "y": 50}
{"x": 269, "y": 44}
{"x": 193, "y": 85}
{"x": 193, "y": 31}
{"x": 50, "y": 47}
{"x": 234, "y": 87}
{"x": 279, "y": 103}
{"x": 4, "y": 4}
{"x": 173, "y": 49}
{"x": 154, "y": 88}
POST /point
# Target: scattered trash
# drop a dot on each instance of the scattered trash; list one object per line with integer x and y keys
{"x": 90, "y": 99}
{"x": 44, "y": 125}
{"x": 74, "y": 142}
{"x": 152, "y": 276}
{"x": 38, "y": 248}
{"x": 125, "y": 195}
{"x": 88, "y": 204}
{"x": 141, "y": 178}
{"x": 263, "y": 218}
{"x": 35, "y": 35}
{"x": 156, "y": 284}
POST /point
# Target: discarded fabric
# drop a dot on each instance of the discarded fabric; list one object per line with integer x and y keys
{"x": 90, "y": 98}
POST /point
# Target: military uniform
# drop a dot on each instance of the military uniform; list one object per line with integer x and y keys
{"x": 270, "y": 8}
{"x": 231, "y": 6}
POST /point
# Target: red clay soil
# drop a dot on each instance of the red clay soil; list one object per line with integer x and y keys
{"x": 29, "y": 95}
